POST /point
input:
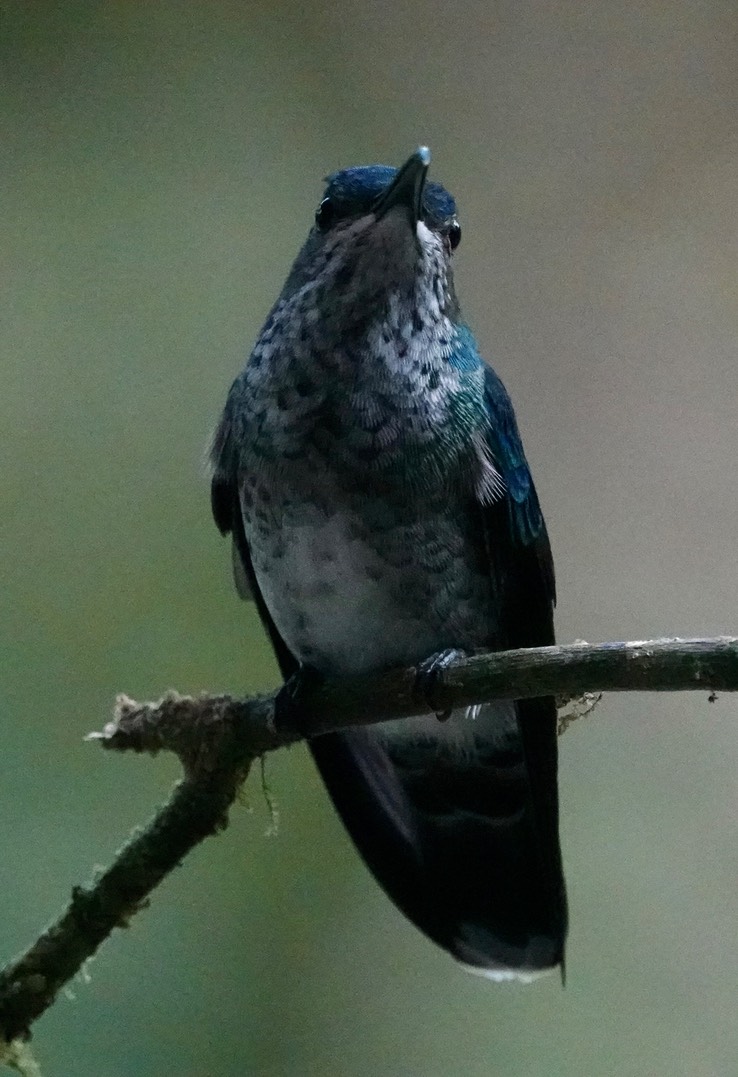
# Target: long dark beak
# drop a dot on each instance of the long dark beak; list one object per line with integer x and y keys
{"x": 406, "y": 188}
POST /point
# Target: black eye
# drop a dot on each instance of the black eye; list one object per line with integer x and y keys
{"x": 325, "y": 214}
{"x": 454, "y": 235}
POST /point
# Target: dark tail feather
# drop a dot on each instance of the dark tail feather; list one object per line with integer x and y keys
{"x": 466, "y": 847}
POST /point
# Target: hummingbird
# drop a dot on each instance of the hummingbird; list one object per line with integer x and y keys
{"x": 369, "y": 469}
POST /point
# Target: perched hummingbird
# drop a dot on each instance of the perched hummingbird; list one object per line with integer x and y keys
{"x": 369, "y": 468}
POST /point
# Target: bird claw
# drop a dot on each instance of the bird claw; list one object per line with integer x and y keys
{"x": 428, "y": 675}
{"x": 289, "y": 712}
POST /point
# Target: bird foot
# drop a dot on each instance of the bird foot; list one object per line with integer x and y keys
{"x": 289, "y": 712}
{"x": 428, "y": 675}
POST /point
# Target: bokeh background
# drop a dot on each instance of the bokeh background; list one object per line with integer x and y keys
{"x": 160, "y": 166}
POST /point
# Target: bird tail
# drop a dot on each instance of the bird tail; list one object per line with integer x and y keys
{"x": 459, "y": 825}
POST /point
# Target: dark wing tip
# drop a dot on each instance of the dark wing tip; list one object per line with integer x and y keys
{"x": 223, "y": 493}
{"x": 221, "y": 503}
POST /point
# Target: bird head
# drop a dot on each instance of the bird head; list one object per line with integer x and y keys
{"x": 380, "y": 249}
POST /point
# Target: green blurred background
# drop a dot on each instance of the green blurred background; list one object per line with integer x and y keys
{"x": 160, "y": 164}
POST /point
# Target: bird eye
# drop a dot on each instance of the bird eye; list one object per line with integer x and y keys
{"x": 454, "y": 235}
{"x": 324, "y": 214}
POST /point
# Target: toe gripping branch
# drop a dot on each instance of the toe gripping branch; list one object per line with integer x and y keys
{"x": 429, "y": 675}
{"x": 294, "y": 709}
{"x": 290, "y": 713}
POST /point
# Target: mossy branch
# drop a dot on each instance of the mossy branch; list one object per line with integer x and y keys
{"x": 218, "y": 737}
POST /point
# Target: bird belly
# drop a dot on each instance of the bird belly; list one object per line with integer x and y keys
{"x": 357, "y": 583}
{"x": 347, "y": 600}
{"x": 335, "y": 599}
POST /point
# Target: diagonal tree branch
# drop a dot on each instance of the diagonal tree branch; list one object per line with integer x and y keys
{"x": 218, "y": 737}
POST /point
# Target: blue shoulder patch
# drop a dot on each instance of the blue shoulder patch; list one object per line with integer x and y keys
{"x": 464, "y": 354}
{"x": 355, "y": 189}
{"x": 506, "y": 448}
